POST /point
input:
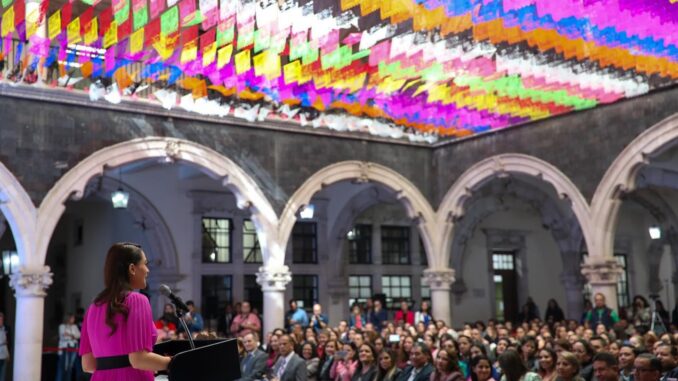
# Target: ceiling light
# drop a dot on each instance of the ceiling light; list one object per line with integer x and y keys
{"x": 655, "y": 232}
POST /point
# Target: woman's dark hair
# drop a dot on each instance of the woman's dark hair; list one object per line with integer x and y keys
{"x": 512, "y": 365}
{"x": 381, "y": 373}
{"x": 452, "y": 361}
{"x": 354, "y": 348}
{"x": 116, "y": 280}
{"x": 553, "y": 355}
{"x": 314, "y": 352}
{"x": 474, "y": 362}
{"x": 375, "y": 356}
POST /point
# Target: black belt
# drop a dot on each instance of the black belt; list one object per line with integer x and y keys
{"x": 113, "y": 362}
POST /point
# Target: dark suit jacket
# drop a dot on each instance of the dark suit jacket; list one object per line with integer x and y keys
{"x": 423, "y": 375}
{"x": 256, "y": 367}
{"x": 294, "y": 371}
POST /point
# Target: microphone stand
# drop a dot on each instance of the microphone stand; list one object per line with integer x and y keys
{"x": 180, "y": 315}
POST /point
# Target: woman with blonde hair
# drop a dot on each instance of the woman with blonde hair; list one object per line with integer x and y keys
{"x": 568, "y": 367}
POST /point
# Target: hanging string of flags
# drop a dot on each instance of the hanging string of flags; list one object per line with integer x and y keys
{"x": 418, "y": 69}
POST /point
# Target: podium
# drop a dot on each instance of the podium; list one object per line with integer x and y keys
{"x": 211, "y": 360}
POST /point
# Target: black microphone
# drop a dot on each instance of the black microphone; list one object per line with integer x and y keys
{"x": 165, "y": 290}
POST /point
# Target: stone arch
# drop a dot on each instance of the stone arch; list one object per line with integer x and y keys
{"x": 415, "y": 203}
{"x": 21, "y": 215}
{"x": 619, "y": 179}
{"x": 562, "y": 225}
{"x": 358, "y": 204}
{"x": 72, "y": 185}
{"x": 452, "y": 207}
{"x": 161, "y": 249}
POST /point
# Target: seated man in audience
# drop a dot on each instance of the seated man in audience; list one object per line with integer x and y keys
{"x": 421, "y": 367}
{"x": 668, "y": 355}
{"x": 605, "y": 367}
{"x": 289, "y": 367}
{"x": 253, "y": 364}
{"x": 647, "y": 368}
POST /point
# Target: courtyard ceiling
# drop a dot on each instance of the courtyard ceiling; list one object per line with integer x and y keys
{"x": 423, "y": 70}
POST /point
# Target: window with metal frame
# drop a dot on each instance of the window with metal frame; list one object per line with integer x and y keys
{"x": 360, "y": 244}
{"x": 216, "y": 240}
{"x": 250, "y": 243}
{"x": 305, "y": 290}
{"x": 395, "y": 245}
{"x": 304, "y": 243}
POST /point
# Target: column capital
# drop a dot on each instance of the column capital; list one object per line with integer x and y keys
{"x": 438, "y": 279}
{"x": 31, "y": 282}
{"x": 274, "y": 278}
{"x": 601, "y": 271}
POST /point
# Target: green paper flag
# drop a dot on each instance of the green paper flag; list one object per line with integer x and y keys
{"x": 169, "y": 21}
{"x": 140, "y": 18}
{"x": 6, "y": 3}
{"x": 123, "y": 14}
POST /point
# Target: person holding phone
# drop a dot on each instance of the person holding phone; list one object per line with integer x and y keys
{"x": 345, "y": 363}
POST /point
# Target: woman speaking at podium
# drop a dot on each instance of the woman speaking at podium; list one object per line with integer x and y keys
{"x": 118, "y": 332}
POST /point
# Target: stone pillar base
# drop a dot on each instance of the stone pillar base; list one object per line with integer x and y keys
{"x": 440, "y": 282}
{"x": 273, "y": 282}
{"x": 602, "y": 275}
{"x": 30, "y": 287}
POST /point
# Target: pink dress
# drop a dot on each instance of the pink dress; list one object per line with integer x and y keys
{"x": 136, "y": 334}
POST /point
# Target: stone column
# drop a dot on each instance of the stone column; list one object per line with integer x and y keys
{"x": 602, "y": 275}
{"x": 338, "y": 309}
{"x": 273, "y": 281}
{"x": 30, "y": 287}
{"x": 574, "y": 299}
{"x": 440, "y": 282}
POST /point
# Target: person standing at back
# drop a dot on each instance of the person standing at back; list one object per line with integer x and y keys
{"x": 601, "y": 314}
{"x": 118, "y": 332}
{"x": 246, "y": 322}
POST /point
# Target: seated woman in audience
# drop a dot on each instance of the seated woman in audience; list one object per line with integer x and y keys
{"x": 446, "y": 367}
{"x": 345, "y": 363}
{"x": 327, "y": 360}
{"x": 309, "y": 354}
{"x": 388, "y": 371}
{"x": 406, "y": 345}
{"x": 367, "y": 367}
{"x": 481, "y": 369}
{"x": 567, "y": 367}
{"x": 502, "y": 345}
{"x": 272, "y": 349}
{"x": 528, "y": 351}
{"x": 547, "y": 364}
{"x": 584, "y": 352}
{"x": 514, "y": 369}
{"x": 379, "y": 344}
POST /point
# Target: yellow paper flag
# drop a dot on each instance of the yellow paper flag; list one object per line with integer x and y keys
{"x": 73, "y": 31}
{"x": 8, "y": 21}
{"x": 224, "y": 55}
{"x": 111, "y": 36}
{"x": 190, "y": 51}
{"x": 137, "y": 41}
{"x": 242, "y": 62}
{"x": 292, "y": 71}
{"x": 267, "y": 64}
{"x": 208, "y": 54}
{"x": 54, "y": 25}
{"x": 92, "y": 32}
{"x": 32, "y": 22}
{"x": 165, "y": 46}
